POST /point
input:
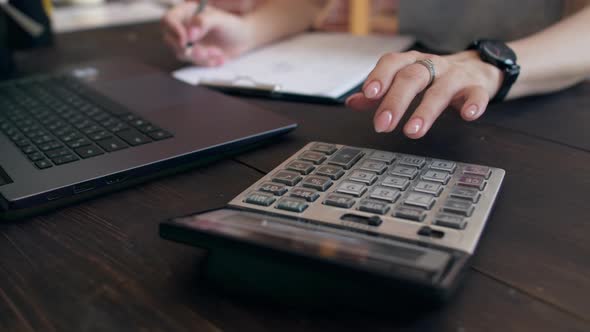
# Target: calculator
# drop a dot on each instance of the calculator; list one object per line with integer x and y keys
{"x": 387, "y": 220}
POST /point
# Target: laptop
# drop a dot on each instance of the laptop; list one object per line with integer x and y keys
{"x": 102, "y": 126}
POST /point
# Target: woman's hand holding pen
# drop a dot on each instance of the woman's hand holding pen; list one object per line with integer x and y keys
{"x": 462, "y": 81}
{"x": 216, "y": 35}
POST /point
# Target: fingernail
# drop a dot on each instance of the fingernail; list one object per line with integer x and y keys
{"x": 372, "y": 90}
{"x": 471, "y": 111}
{"x": 383, "y": 121}
{"x": 413, "y": 126}
{"x": 351, "y": 98}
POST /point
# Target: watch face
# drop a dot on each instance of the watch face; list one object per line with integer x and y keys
{"x": 499, "y": 51}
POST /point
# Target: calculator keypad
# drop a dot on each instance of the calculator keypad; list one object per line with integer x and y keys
{"x": 345, "y": 186}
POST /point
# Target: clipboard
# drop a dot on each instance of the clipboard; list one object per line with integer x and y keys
{"x": 315, "y": 67}
{"x": 272, "y": 91}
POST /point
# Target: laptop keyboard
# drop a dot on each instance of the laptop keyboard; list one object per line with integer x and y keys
{"x": 55, "y": 120}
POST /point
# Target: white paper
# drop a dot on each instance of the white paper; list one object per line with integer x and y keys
{"x": 313, "y": 64}
{"x": 80, "y": 17}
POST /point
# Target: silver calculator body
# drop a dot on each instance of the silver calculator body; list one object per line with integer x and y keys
{"x": 401, "y": 220}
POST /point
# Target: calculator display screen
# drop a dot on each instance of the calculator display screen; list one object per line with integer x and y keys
{"x": 381, "y": 255}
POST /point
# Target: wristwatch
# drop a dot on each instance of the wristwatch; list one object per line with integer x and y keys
{"x": 498, "y": 54}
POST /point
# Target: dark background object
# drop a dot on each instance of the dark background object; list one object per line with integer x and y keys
{"x": 13, "y": 37}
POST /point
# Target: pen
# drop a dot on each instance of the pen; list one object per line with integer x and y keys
{"x": 188, "y": 50}
{"x": 28, "y": 24}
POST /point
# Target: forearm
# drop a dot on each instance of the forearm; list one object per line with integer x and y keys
{"x": 554, "y": 58}
{"x": 280, "y": 18}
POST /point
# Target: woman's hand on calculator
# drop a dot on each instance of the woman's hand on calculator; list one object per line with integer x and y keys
{"x": 460, "y": 80}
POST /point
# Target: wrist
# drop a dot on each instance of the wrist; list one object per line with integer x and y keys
{"x": 490, "y": 76}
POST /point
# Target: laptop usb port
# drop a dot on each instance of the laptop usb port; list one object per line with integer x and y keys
{"x": 80, "y": 188}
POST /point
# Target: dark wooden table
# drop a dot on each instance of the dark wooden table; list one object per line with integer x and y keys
{"x": 101, "y": 266}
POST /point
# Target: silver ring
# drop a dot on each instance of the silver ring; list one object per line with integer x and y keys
{"x": 430, "y": 66}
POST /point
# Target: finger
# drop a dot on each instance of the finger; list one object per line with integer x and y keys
{"x": 359, "y": 102}
{"x": 381, "y": 77}
{"x": 174, "y": 21}
{"x": 173, "y": 43}
{"x": 476, "y": 101}
{"x": 436, "y": 99}
{"x": 407, "y": 84}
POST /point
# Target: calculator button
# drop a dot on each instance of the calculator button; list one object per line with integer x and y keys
{"x": 352, "y": 188}
{"x": 477, "y": 170}
{"x": 374, "y": 166}
{"x": 292, "y": 204}
{"x": 443, "y": 165}
{"x": 287, "y": 177}
{"x": 429, "y": 188}
{"x": 458, "y": 206}
{"x": 412, "y": 161}
{"x": 363, "y": 176}
{"x": 346, "y": 157}
{"x": 276, "y": 189}
{"x": 395, "y": 182}
{"x": 409, "y": 213}
{"x": 405, "y": 171}
{"x": 387, "y": 157}
{"x": 437, "y": 176}
{"x": 420, "y": 200}
{"x": 371, "y": 221}
{"x": 320, "y": 183}
{"x": 471, "y": 194}
{"x": 314, "y": 157}
{"x": 309, "y": 195}
{"x": 368, "y": 205}
{"x": 342, "y": 201}
{"x": 385, "y": 194}
{"x": 333, "y": 172}
{"x": 260, "y": 199}
{"x": 472, "y": 181}
{"x": 299, "y": 166}
{"x": 324, "y": 147}
{"x": 451, "y": 221}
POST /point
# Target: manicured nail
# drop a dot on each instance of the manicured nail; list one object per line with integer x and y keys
{"x": 383, "y": 121}
{"x": 471, "y": 111}
{"x": 352, "y": 97}
{"x": 372, "y": 90}
{"x": 413, "y": 126}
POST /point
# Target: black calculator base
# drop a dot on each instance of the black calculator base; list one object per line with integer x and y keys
{"x": 315, "y": 286}
{"x": 296, "y": 279}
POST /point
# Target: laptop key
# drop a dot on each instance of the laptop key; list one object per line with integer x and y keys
{"x": 112, "y": 144}
{"x": 36, "y": 156}
{"x": 79, "y": 143}
{"x": 100, "y": 135}
{"x": 89, "y": 151}
{"x": 159, "y": 135}
{"x": 133, "y": 137}
{"x": 64, "y": 159}
{"x": 57, "y": 153}
{"x": 50, "y": 146}
{"x": 43, "y": 164}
